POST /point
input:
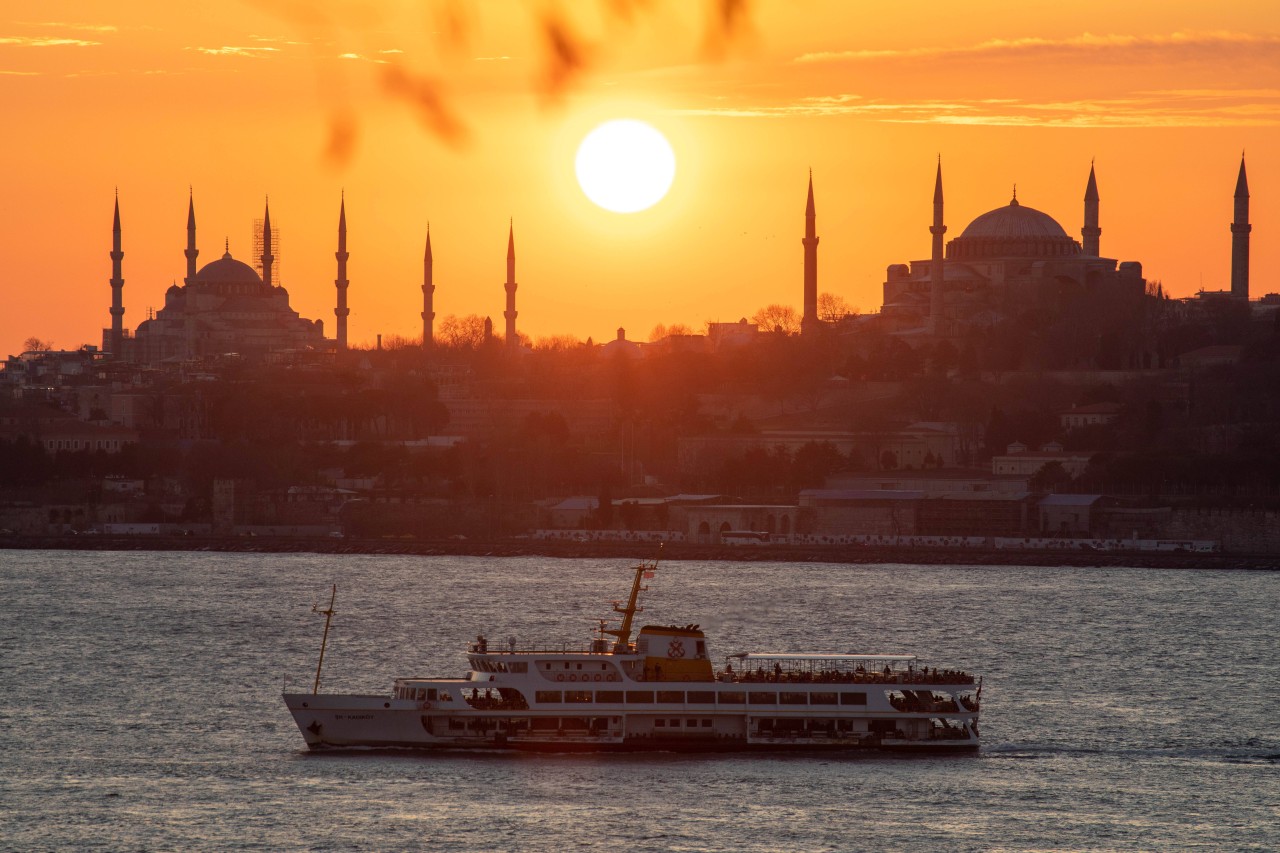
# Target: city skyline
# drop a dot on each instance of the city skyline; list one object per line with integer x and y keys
{"x": 1163, "y": 110}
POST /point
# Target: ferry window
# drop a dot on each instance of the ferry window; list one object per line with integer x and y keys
{"x": 690, "y": 724}
{"x": 795, "y": 698}
{"x": 422, "y": 693}
{"x": 660, "y": 724}
{"x": 431, "y": 694}
{"x": 609, "y": 696}
{"x": 547, "y": 696}
{"x": 675, "y": 724}
{"x": 705, "y": 697}
{"x": 579, "y": 666}
{"x": 577, "y": 696}
{"x": 642, "y": 697}
{"x": 520, "y": 667}
{"x": 702, "y": 648}
{"x": 732, "y": 697}
{"x": 763, "y": 698}
{"x": 670, "y": 695}
{"x": 706, "y": 724}
{"x": 822, "y": 698}
{"x": 853, "y": 698}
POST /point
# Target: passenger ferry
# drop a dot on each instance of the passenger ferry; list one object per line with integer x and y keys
{"x": 660, "y": 691}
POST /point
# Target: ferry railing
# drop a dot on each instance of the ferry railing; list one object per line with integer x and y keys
{"x": 840, "y": 677}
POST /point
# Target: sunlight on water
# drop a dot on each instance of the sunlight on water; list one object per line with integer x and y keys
{"x": 1122, "y": 709}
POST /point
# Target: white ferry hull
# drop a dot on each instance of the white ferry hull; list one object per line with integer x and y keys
{"x": 335, "y": 721}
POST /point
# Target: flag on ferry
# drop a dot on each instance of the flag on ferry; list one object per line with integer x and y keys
{"x": 648, "y": 575}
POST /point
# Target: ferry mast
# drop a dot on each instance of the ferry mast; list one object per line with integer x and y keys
{"x": 328, "y": 617}
{"x": 623, "y": 631}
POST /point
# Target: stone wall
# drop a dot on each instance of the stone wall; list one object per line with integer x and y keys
{"x": 1240, "y": 531}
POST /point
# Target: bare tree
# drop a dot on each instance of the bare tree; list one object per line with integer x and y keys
{"x": 34, "y": 344}
{"x": 832, "y": 308}
{"x": 461, "y": 332}
{"x": 777, "y": 318}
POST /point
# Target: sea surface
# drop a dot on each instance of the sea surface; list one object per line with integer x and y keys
{"x": 140, "y": 707}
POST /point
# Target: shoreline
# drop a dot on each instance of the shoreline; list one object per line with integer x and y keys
{"x": 646, "y": 550}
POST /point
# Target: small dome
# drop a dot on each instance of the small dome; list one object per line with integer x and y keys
{"x": 227, "y": 270}
{"x": 1014, "y": 221}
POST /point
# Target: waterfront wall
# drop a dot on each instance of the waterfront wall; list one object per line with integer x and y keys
{"x": 1240, "y": 531}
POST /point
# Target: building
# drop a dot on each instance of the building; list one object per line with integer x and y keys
{"x": 1006, "y": 261}
{"x": 224, "y": 307}
{"x": 1018, "y": 461}
{"x": 1069, "y": 515}
{"x": 1090, "y": 415}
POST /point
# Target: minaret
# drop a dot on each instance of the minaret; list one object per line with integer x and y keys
{"x": 191, "y": 251}
{"x": 428, "y": 291}
{"x": 809, "y": 322}
{"x": 512, "y": 340}
{"x": 117, "y": 287}
{"x": 267, "y": 257}
{"x": 342, "y": 311}
{"x": 1240, "y": 229}
{"x": 1091, "y": 232}
{"x": 935, "y": 267}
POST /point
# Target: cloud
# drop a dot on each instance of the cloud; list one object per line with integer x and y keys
{"x": 46, "y": 41}
{"x": 1166, "y": 108}
{"x": 1179, "y": 46}
{"x": 227, "y": 50}
{"x": 19, "y": 73}
{"x": 278, "y": 40}
{"x": 87, "y": 28}
{"x": 362, "y": 58}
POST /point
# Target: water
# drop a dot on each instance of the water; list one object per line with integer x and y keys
{"x": 140, "y": 710}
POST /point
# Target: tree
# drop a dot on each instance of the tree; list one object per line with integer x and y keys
{"x": 813, "y": 462}
{"x": 1050, "y": 476}
{"x": 34, "y": 344}
{"x": 777, "y": 318}
{"x": 832, "y": 308}
{"x": 461, "y": 332}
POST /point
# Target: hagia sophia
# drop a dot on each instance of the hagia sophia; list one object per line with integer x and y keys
{"x": 1005, "y": 262}
{"x": 1008, "y": 260}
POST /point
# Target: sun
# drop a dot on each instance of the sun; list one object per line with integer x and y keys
{"x": 625, "y": 166}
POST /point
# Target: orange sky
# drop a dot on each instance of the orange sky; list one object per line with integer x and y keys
{"x": 240, "y": 103}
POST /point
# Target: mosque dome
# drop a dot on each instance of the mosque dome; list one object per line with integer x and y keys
{"x": 1014, "y": 230}
{"x": 227, "y": 270}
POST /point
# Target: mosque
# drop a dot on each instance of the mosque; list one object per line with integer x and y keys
{"x": 228, "y": 306}
{"x": 1008, "y": 262}
{"x": 224, "y": 307}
